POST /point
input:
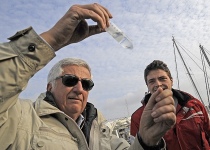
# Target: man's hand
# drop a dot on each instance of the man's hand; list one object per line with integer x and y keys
{"x": 72, "y": 27}
{"x": 158, "y": 117}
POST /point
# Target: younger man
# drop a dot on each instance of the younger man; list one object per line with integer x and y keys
{"x": 192, "y": 128}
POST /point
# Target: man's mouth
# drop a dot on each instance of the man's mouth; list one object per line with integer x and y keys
{"x": 74, "y": 98}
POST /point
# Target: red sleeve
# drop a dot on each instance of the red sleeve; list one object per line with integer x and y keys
{"x": 135, "y": 121}
{"x": 205, "y": 126}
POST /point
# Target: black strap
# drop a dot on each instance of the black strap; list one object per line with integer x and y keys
{"x": 146, "y": 147}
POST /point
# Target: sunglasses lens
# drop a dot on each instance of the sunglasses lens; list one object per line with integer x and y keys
{"x": 87, "y": 84}
{"x": 69, "y": 80}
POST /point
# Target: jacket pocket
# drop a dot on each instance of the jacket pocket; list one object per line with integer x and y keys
{"x": 48, "y": 139}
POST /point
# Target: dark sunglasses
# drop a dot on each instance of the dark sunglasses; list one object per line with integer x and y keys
{"x": 71, "y": 80}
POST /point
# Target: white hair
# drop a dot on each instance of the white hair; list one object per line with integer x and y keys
{"x": 57, "y": 69}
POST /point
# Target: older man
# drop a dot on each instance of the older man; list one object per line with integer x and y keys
{"x": 61, "y": 118}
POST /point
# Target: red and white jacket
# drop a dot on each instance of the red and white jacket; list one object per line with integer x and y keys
{"x": 192, "y": 129}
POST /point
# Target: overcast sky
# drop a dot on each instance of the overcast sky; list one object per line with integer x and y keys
{"x": 118, "y": 72}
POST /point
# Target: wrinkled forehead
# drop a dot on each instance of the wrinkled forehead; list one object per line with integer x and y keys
{"x": 79, "y": 71}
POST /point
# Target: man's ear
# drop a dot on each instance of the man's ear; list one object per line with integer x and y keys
{"x": 49, "y": 87}
{"x": 172, "y": 81}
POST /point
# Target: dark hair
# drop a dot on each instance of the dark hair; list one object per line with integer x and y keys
{"x": 156, "y": 64}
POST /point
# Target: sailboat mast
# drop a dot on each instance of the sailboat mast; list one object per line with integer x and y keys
{"x": 187, "y": 70}
{"x": 204, "y": 53}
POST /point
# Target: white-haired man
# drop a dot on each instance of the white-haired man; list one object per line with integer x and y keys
{"x": 61, "y": 118}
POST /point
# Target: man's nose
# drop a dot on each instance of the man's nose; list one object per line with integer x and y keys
{"x": 158, "y": 83}
{"x": 78, "y": 87}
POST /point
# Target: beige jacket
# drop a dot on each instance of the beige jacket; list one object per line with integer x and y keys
{"x": 25, "y": 125}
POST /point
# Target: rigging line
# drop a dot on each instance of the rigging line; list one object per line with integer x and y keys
{"x": 205, "y": 73}
{"x": 207, "y": 83}
{"x": 192, "y": 58}
{"x": 206, "y": 50}
{"x": 177, "y": 74}
{"x": 204, "y": 54}
{"x": 188, "y": 71}
{"x": 187, "y": 50}
{"x": 196, "y": 63}
{"x": 207, "y": 60}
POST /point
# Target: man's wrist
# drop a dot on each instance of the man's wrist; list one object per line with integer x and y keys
{"x": 159, "y": 146}
{"x": 41, "y": 36}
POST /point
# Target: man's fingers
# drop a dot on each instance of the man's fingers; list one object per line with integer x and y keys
{"x": 152, "y": 99}
{"x": 107, "y": 15}
{"x": 164, "y": 94}
{"x": 72, "y": 27}
{"x": 95, "y": 12}
{"x": 163, "y": 110}
{"x": 95, "y": 29}
{"x": 168, "y": 118}
{"x": 164, "y": 101}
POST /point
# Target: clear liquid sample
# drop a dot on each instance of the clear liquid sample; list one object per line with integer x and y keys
{"x": 119, "y": 36}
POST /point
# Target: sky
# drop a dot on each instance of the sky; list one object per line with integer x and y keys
{"x": 118, "y": 72}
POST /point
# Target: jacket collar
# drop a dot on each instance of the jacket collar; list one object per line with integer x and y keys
{"x": 44, "y": 107}
{"x": 181, "y": 96}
